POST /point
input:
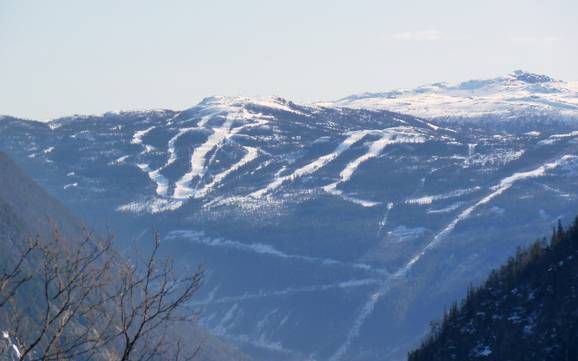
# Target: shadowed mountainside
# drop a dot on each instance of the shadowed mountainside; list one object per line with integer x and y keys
{"x": 27, "y": 212}
{"x": 526, "y": 310}
{"x": 303, "y": 212}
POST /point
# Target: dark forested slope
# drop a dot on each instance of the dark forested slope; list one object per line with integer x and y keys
{"x": 27, "y": 212}
{"x": 526, "y": 310}
{"x": 30, "y": 207}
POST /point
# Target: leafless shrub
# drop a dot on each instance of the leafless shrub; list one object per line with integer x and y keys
{"x": 84, "y": 301}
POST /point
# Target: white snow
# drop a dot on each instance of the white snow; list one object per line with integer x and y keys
{"x": 426, "y": 200}
{"x": 233, "y": 115}
{"x": 397, "y": 135}
{"x": 250, "y": 155}
{"x": 388, "y": 136}
{"x": 403, "y": 233}
{"x": 183, "y": 187}
{"x": 229, "y": 315}
{"x": 509, "y": 96}
{"x": 497, "y": 190}
{"x": 447, "y": 209}
{"x": 258, "y": 248}
{"x": 290, "y": 290}
{"x": 12, "y": 345}
{"x": 374, "y": 298}
{"x": 162, "y": 183}
{"x": 314, "y": 166}
{"x": 564, "y": 135}
{"x": 122, "y": 159}
{"x": 364, "y": 313}
{"x": 383, "y": 222}
{"x": 485, "y": 351}
{"x": 361, "y": 202}
{"x": 151, "y": 206}
{"x": 138, "y": 136}
{"x": 260, "y": 342}
{"x": 556, "y": 191}
{"x": 149, "y": 149}
{"x": 234, "y": 103}
{"x": 171, "y": 150}
{"x": 498, "y": 157}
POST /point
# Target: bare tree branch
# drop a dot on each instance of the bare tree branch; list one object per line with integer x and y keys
{"x": 89, "y": 302}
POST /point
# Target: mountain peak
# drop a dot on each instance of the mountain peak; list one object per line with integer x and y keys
{"x": 242, "y": 100}
{"x": 517, "y": 94}
{"x": 530, "y": 78}
{"x": 235, "y": 104}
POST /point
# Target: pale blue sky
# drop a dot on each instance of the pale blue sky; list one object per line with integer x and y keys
{"x": 60, "y": 57}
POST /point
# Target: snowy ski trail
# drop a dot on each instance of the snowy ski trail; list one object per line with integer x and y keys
{"x": 369, "y": 306}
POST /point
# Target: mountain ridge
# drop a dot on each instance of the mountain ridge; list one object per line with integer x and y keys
{"x": 304, "y": 212}
{"x": 516, "y": 95}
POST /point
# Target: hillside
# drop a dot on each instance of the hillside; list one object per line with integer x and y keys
{"x": 27, "y": 211}
{"x": 519, "y": 99}
{"x": 302, "y": 212}
{"x": 526, "y": 310}
{"x": 36, "y": 211}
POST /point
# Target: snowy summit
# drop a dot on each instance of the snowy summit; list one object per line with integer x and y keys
{"x": 517, "y": 94}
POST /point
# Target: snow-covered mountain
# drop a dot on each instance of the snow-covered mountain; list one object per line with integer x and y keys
{"x": 511, "y": 97}
{"x": 329, "y": 233}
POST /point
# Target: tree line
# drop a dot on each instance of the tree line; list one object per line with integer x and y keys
{"x": 527, "y": 305}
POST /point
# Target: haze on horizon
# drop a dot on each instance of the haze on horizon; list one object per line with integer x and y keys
{"x": 64, "y": 57}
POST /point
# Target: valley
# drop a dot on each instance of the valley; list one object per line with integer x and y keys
{"x": 329, "y": 231}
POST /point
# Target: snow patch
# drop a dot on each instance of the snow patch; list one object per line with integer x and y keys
{"x": 138, "y": 136}
{"x": 427, "y": 200}
{"x": 403, "y": 233}
{"x": 172, "y": 145}
{"x": 71, "y": 185}
{"x": 397, "y": 135}
{"x": 507, "y": 97}
{"x": 151, "y": 206}
{"x": 183, "y": 187}
{"x": 250, "y": 155}
{"x": 289, "y": 291}
{"x": 258, "y": 248}
{"x": 374, "y": 297}
{"x": 352, "y": 138}
{"x": 121, "y": 160}
{"x": 361, "y": 202}
{"x": 482, "y": 351}
{"x": 497, "y": 190}
{"x": 447, "y": 209}
{"x": 162, "y": 183}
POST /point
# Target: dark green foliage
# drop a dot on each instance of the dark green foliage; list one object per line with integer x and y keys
{"x": 526, "y": 310}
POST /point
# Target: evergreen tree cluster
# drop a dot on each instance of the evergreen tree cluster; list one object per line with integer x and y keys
{"x": 526, "y": 310}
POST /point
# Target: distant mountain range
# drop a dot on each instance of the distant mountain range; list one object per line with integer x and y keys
{"x": 329, "y": 231}
{"x": 511, "y": 97}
